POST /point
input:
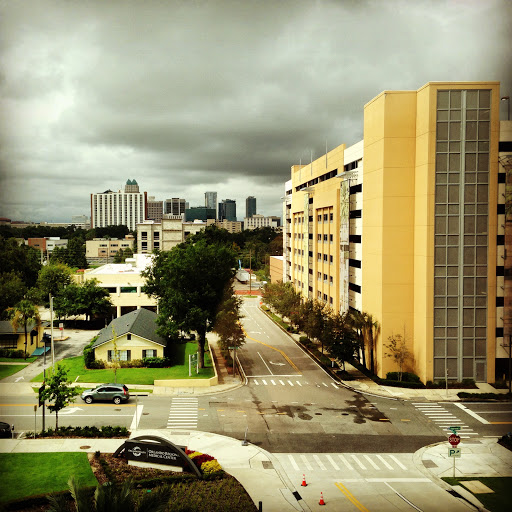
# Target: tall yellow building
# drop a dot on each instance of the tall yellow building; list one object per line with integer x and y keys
{"x": 404, "y": 226}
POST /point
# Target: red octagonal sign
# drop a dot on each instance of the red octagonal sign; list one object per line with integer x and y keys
{"x": 454, "y": 439}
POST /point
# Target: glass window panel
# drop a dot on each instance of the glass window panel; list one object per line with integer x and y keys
{"x": 481, "y": 208}
{"x": 452, "y": 271}
{"x": 468, "y": 348}
{"x": 453, "y": 225}
{"x": 455, "y": 99}
{"x": 469, "y": 239}
{"x": 455, "y": 130}
{"x": 453, "y": 240}
{"x": 470, "y": 162}
{"x": 439, "y": 368}
{"x": 468, "y": 332}
{"x": 483, "y": 130}
{"x": 439, "y": 271}
{"x": 483, "y": 146}
{"x": 482, "y": 177}
{"x": 452, "y": 368}
{"x": 440, "y": 240}
{"x": 440, "y": 209}
{"x": 469, "y": 255}
{"x": 441, "y": 225}
{"x": 453, "y": 255}
{"x": 469, "y": 270}
{"x": 470, "y": 129}
{"x": 469, "y": 209}
{"x": 453, "y": 194}
{"x": 454, "y": 147}
{"x": 452, "y": 332}
{"x": 439, "y": 316}
{"x": 442, "y": 147}
{"x": 441, "y": 178}
{"x": 439, "y": 332}
{"x": 471, "y": 115}
{"x": 453, "y": 177}
{"x": 468, "y": 316}
{"x": 467, "y": 369}
{"x": 472, "y": 99}
{"x": 451, "y": 348}
{"x": 480, "y": 317}
{"x": 469, "y": 193}
{"x": 440, "y": 302}
{"x": 454, "y": 162}
{"x": 452, "y": 316}
{"x": 453, "y": 289}
{"x": 480, "y": 348}
{"x": 470, "y": 177}
{"x": 440, "y": 256}
{"x": 469, "y": 224}
{"x": 481, "y": 224}
{"x": 471, "y": 147}
{"x": 441, "y": 193}
{"x": 484, "y": 114}
{"x": 442, "y": 131}
{"x": 483, "y": 162}
{"x": 481, "y": 271}
{"x": 485, "y": 99}
{"x": 453, "y": 302}
{"x": 481, "y": 286}
{"x": 442, "y": 99}
{"x": 468, "y": 286}
{"x": 442, "y": 115}
{"x": 481, "y": 240}
{"x": 481, "y": 255}
{"x": 439, "y": 347}
{"x": 455, "y": 115}
{"x": 453, "y": 209}
{"x": 482, "y": 193}
{"x": 468, "y": 301}
{"x": 480, "y": 332}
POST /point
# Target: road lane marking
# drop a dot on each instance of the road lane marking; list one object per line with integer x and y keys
{"x": 351, "y": 497}
{"x": 306, "y": 462}
{"x": 319, "y": 462}
{"x": 346, "y": 462}
{"x": 361, "y": 465}
{"x": 381, "y": 458}
{"x": 266, "y": 365}
{"x": 334, "y": 465}
{"x": 471, "y": 413}
{"x": 371, "y": 462}
{"x": 398, "y": 462}
{"x": 294, "y": 464}
{"x": 332, "y": 384}
{"x": 404, "y": 498}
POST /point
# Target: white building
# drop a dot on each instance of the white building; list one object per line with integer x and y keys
{"x": 127, "y": 208}
{"x": 260, "y": 221}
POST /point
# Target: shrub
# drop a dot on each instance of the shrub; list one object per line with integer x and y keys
{"x": 406, "y": 376}
{"x": 304, "y": 340}
{"x": 401, "y": 384}
{"x": 156, "y": 362}
{"x": 211, "y": 467}
{"x": 88, "y": 353}
{"x": 96, "y": 364}
{"x": 14, "y": 354}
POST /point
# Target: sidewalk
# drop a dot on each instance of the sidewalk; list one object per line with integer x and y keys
{"x": 256, "y": 469}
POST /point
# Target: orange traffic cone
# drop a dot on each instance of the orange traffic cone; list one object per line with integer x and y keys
{"x": 304, "y": 481}
{"x": 321, "y": 502}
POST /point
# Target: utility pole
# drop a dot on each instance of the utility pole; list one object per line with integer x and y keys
{"x": 250, "y": 272}
{"x": 51, "y": 329}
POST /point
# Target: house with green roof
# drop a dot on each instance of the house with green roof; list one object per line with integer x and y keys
{"x": 135, "y": 336}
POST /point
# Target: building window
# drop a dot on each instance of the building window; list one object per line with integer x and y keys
{"x": 128, "y": 289}
{"x": 128, "y": 336}
{"x": 149, "y": 353}
{"x": 123, "y": 355}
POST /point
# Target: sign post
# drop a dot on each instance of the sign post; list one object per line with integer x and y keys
{"x": 61, "y": 328}
{"x": 193, "y": 359}
{"x": 234, "y": 357}
{"x": 454, "y": 452}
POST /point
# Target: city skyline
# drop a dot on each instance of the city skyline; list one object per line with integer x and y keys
{"x": 85, "y": 104}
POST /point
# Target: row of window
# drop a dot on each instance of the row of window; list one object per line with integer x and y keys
{"x": 126, "y": 355}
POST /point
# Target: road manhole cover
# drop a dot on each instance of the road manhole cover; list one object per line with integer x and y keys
{"x": 84, "y": 447}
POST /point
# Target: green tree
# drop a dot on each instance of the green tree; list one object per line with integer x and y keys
{"x": 53, "y": 279}
{"x": 189, "y": 282}
{"x": 119, "y": 256}
{"x": 314, "y": 315}
{"x": 12, "y": 290}
{"x": 58, "y": 391}
{"x": 94, "y": 300}
{"x": 398, "y": 351}
{"x": 22, "y": 259}
{"x": 227, "y": 322}
{"x": 25, "y": 313}
{"x": 339, "y": 337}
{"x": 284, "y": 300}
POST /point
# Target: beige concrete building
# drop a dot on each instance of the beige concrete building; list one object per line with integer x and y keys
{"x": 405, "y": 226}
{"x": 260, "y": 221}
{"x": 107, "y": 247}
{"x": 276, "y": 264}
{"x": 229, "y": 225}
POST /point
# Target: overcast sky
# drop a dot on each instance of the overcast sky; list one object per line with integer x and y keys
{"x": 190, "y": 96}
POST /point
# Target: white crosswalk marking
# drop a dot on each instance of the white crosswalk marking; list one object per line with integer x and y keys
{"x": 307, "y": 462}
{"x": 290, "y": 382}
{"x": 256, "y": 382}
{"x": 183, "y": 413}
{"x": 298, "y": 383}
{"x": 282, "y": 383}
{"x": 264, "y": 382}
{"x": 444, "y": 418}
{"x": 273, "y": 383}
{"x": 332, "y": 384}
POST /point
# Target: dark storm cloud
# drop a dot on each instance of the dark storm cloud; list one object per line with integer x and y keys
{"x": 193, "y": 96}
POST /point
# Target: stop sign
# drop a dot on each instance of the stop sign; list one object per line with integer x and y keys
{"x": 454, "y": 439}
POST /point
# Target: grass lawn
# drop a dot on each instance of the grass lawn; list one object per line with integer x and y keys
{"x": 499, "y": 501}
{"x": 28, "y": 474}
{"x": 10, "y": 369}
{"x": 145, "y": 376}
{"x": 17, "y": 359}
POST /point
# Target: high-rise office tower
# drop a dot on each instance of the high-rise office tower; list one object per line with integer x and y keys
{"x": 250, "y": 206}
{"x": 210, "y": 200}
{"x": 175, "y": 206}
{"x": 227, "y": 209}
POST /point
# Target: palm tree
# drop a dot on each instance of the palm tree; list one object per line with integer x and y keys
{"x": 23, "y": 314}
{"x": 357, "y": 319}
{"x": 111, "y": 497}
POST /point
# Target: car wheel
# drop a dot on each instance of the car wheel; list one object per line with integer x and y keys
{"x": 88, "y": 399}
{"x": 117, "y": 400}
